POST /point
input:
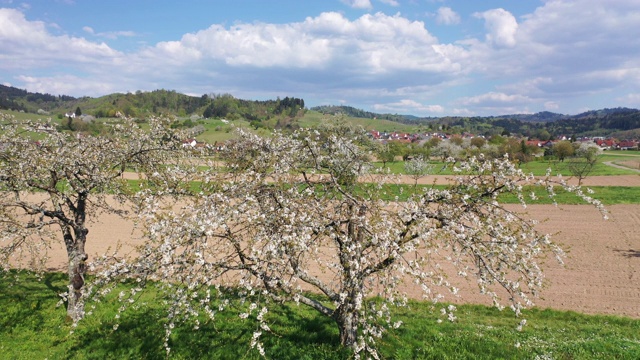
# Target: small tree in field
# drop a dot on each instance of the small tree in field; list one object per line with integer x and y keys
{"x": 585, "y": 159}
{"x": 54, "y": 184}
{"x": 562, "y": 150}
{"x": 289, "y": 215}
{"x": 417, "y": 168}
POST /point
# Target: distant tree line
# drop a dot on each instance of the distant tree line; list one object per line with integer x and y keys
{"x": 543, "y": 125}
{"x": 281, "y": 113}
{"x": 12, "y": 98}
{"x": 353, "y": 112}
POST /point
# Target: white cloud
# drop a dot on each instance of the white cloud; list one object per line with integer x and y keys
{"x": 28, "y": 44}
{"x": 501, "y": 26}
{"x": 358, "y": 4}
{"x": 494, "y": 99}
{"x": 116, "y": 34}
{"x": 408, "y": 106}
{"x": 109, "y": 34}
{"x": 551, "y": 105}
{"x": 447, "y": 16}
{"x": 561, "y": 53}
{"x": 390, "y": 2}
{"x": 66, "y": 84}
{"x": 372, "y": 44}
{"x": 630, "y": 100}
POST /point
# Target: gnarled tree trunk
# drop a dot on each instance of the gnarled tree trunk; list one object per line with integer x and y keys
{"x": 75, "y": 244}
{"x": 346, "y": 317}
{"x": 76, "y": 271}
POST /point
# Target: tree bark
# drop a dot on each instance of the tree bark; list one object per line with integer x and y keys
{"x": 76, "y": 271}
{"x": 75, "y": 244}
{"x": 347, "y": 320}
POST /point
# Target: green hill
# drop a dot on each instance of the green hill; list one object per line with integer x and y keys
{"x": 290, "y": 113}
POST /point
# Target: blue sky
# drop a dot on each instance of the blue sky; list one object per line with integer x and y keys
{"x": 420, "y": 57}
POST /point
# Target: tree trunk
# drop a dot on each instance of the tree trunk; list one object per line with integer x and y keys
{"x": 347, "y": 315}
{"x": 347, "y": 320}
{"x": 77, "y": 259}
{"x": 76, "y": 271}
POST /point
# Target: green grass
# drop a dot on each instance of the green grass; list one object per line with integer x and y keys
{"x": 537, "y": 168}
{"x": 608, "y": 195}
{"x": 32, "y": 327}
{"x": 312, "y": 119}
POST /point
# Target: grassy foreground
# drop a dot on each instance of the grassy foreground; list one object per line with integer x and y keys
{"x": 32, "y": 327}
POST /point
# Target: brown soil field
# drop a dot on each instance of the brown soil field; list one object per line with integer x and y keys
{"x": 618, "y": 180}
{"x": 601, "y": 274}
{"x": 632, "y": 164}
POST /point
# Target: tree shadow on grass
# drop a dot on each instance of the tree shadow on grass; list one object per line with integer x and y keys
{"x": 139, "y": 335}
{"x": 25, "y": 297}
{"x": 295, "y": 335}
{"x": 631, "y": 253}
{"x": 29, "y": 305}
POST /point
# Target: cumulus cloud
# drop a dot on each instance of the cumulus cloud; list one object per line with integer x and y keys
{"x": 496, "y": 100}
{"x": 108, "y": 34}
{"x": 447, "y": 16}
{"x": 408, "y": 106}
{"x": 358, "y": 4}
{"x": 501, "y": 26}
{"x": 560, "y": 52}
{"x": 372, "y": 44}
{"x": 497, "y": 103}
{"x": 27, "y": 44}
{"x": 390, "y": 2}
{"x": 629, "y": 99}
{"x": 551, "y": 105}
{"x": 66, "y": 84}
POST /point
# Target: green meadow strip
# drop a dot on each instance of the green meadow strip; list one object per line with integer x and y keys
{"x": 33, "y": 327}
{"x": 608, "y": 195}
{"x": 537, "y": 168}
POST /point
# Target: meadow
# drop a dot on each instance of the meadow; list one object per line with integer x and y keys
{"x": 32, "y": 327}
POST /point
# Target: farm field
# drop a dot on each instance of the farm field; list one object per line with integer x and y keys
{"x": 601, "y": 273}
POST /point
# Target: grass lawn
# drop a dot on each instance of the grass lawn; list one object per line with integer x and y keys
{"x": 537, "y": 168}
{"x": 32, "y": 327}
{"x": 312, "y": 119}
{"x": 608, "y": 195}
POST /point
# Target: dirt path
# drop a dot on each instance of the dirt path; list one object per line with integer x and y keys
{"x": 630, "y": 167}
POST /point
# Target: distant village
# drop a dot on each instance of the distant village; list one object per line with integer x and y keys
{"x": 421, "y": 138}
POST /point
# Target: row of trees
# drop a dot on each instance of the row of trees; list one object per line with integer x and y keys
{"x": 286, "y": 214}
{"x": 458, "y": 148}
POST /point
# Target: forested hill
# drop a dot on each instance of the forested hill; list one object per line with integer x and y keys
{"x": 18, "y": 99}
{"x": 619, "y": 122}
{"x": 353, "y": 112}
{"x": 279, "y": 113}
{"x": 144, "y": 104}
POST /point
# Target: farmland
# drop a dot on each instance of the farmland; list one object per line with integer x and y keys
{"x": 600, "y": 275}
